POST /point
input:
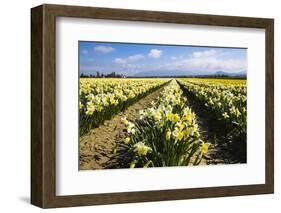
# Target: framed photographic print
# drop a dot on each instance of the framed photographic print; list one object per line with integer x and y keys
{"x": 136, "y": 106}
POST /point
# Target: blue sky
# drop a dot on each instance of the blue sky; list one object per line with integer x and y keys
{"x": 144, "y": 59}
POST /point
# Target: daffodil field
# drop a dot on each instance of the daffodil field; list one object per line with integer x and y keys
{"x": 226, "y": 99}
{"x": 101, "y": 99}
{"x": 174, "y": 128}
{"x": 223, "y": 103}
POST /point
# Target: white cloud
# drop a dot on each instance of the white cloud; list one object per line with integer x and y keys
{"x": 213, "y": 64}
{"x": 137, "y": 57}
{"x": 206, "y": 53}
{"x": 205, "y": 62}
{"x": 173, "y": 58}
{"x": 154, "y": 53}
{"x": 104, "y": 49}
{"x": 211, "y": 60}
{"x": 127, "y": 65}
{"x": 120, "y": 61}
{"x": 129, "y": 59}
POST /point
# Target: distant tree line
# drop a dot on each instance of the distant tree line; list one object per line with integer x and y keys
{"x": 116, "y": 75}
{"x": 102, "y": 75}
{"x": 193, "y": 76}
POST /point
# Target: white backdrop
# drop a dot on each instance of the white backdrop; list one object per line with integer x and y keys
{"x": 70, "y": 181}
{"x": 15, "y": 104}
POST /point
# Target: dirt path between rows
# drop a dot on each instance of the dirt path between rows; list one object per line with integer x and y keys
{"x": 96, "y": 147}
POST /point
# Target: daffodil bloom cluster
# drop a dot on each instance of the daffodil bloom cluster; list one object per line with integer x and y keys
{"x": 228, "y": 101}
{"x": 217, "y": 81}
{"x": 100, "y": 99}
{"x": 204, "y": 148}
{"x": 141, "y": 148}
{"x": 97, "y": 94}
{"x": 165, "y": 134}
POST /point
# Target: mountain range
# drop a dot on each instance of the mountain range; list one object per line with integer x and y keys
{"x": 189, "y": 73}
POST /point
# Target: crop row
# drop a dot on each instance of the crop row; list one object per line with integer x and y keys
{"x": 226, "y": 101}
{"x": 164, "y": 135}
{"x": 100, "y": 99}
